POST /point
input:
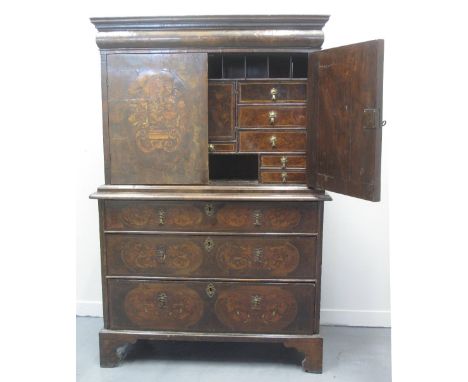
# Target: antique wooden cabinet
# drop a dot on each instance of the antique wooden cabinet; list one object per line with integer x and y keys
{"x": 220, "y": 136}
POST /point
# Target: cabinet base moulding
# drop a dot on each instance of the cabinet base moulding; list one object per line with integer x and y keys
{"x": 115, "y": 344}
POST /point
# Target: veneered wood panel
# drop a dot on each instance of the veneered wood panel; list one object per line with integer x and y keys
{"x": 272, "y": 141}
{"x": 221, "y": 110}
{"x": 216, "y": 307}
{"x": 225, "y": 256}
{"x": 280, "y": 217}
{"x": 345, "y": 93}
{"x": 158, "y": 118}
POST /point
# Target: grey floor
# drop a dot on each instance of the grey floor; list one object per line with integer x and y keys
{"x": 350, "y": 354}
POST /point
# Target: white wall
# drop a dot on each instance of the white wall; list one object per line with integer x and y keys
{"x": 355, "y": 285}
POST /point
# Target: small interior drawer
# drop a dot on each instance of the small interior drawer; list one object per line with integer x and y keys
{"x": 272, "y": 91}
{"x": 283, "y": 177}
{"x": 283, "y": 161}
{"x": 272, "y": 116}
{"x": 272, "y": 141}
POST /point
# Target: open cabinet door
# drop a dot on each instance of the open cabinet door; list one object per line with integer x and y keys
{"x": 345, "y": 119}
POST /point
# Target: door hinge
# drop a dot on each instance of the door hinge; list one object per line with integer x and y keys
{"x": 371, "y": 119}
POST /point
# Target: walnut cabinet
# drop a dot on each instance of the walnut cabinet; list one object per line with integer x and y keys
{"x": 221, "y": 135}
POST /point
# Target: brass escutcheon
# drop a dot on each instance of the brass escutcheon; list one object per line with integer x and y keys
{"x": 210, "y": 290}
{"x": 209, "y": 209}
{"x": 162, "y": 216}
{"x": 209, "y": 244}
{"x": 274, "y": 93}
{"x": 161, "y": 254}
{"x": 162, "y": 300}
{"x": 272, "y": 116}
{"x": 255, "y": 301}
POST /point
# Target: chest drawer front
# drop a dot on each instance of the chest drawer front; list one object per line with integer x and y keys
{"x": 281, "y": 217}
{"x": 272, "y": 116}
{"x": 272, "y": 92}
{"x": 211, "y": 256}
{"x": 272, "y": 141}
{"x": 222, "y": 307}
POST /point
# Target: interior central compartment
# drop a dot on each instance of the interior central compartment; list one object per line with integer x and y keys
{"x": 233, "y": 167}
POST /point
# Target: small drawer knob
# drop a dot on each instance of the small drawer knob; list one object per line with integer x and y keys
{"x": 162, "y": 216}
{"x": 211, "y": 147}
{"x": 161, "y": 298}
{"x": 273, "y": 140}
{"x": 255, "y": 301}
{"x": 274, "y": 94}
{"x": 161, "y": 254}
{"x": 258, "y": 255}
{"x": 257, "y": 217}
{"x": 272, "y": 115}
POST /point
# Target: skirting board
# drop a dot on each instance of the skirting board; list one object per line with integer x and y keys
{"x": 368, "y": 318}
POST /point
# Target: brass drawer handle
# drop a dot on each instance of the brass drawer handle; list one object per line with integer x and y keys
{"x": 257, "y": 217}
{"x": 162, "y": 216}
{"x": 258, "y": 255}
{"x": 209, "y": 209}
{"x": 211, "y": 147}
{"x": 274, "y": 93}
{"x": 284, "y": 161}
{"x": 161, "y": 298}
{"x": 209, "y": 244}
{"x": 273, "y": 141}
{"x": 210, "y": 290}
{"x": 255, "y": 301}
{"x": 272, "y": 115}
{"x": 284, "y": 177}
{"x": 161, "y": 254}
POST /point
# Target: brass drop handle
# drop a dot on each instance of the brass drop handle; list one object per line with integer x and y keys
{"x": 257, "y": 216}
{"x": 255, "y": 301}
{"x": 162, "y": 217}
{"x": 161, "y": 298}
{"x": 274, "y": 93}
{"x": 284, "y": 177}
{"x": 284, "y": 161}
{"x": 273, "y": 141}
{"x": 161, "y": 254}
{"x": 210, "y": 290}
{"x": 272, "y": 116}
{"x": 258, "y": 255}
{"x": 211, "y": 147}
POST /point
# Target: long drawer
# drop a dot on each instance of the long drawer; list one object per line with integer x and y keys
{"x": 211, "y": 256}
{"x": 221, "y": 307}
{"x": 194, "y": 216}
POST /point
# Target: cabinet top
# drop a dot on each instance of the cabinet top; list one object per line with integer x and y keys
{"x": 211, "y": 32}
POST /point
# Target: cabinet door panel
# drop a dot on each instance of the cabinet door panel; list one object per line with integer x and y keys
{"x": 345, "y": 137}
{"x": 158, "y": 118}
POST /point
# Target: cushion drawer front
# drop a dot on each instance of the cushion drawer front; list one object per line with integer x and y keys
{"x": 211, "y": 256}
{"x": 272, "y": 141}
{"x": 297, "y": 177}
{"x": 283, "y": 161}
{"x": 272, "y": 116}
{"x": 222, "y": 307}
{"x": 272, "y": 91}
{"x": 194, "y": 216}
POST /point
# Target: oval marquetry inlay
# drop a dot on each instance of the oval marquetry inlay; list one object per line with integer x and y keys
{"x": 181, "y": 309}
{"x": 282, "y": 217}
{"x": 180, "y": 257}
{"x": 274, "y": 258}
{"x": 256, "y": 308}
{"x": 173, "y": 216}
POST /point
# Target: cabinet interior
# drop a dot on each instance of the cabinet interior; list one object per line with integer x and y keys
{"x": 227, "y": 73}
